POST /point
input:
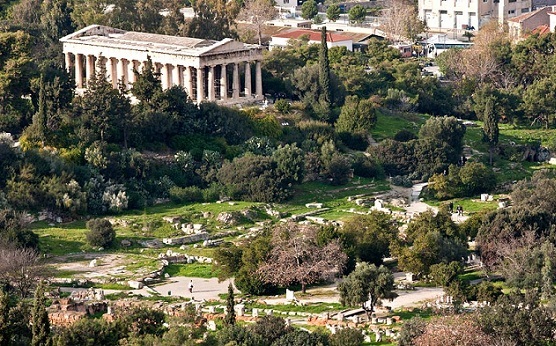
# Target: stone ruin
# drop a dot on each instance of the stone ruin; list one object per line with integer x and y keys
{"x": 67, "y": 311}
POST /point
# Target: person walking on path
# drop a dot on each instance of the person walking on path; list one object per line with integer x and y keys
{"x": 190, "y": 286}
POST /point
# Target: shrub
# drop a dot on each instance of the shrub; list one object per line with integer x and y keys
{"x": 282, "y": 106}
{"x": 402, "y": 180}
{"x": 404, "y": 136}
{"x": 186, "y": 194}
{"x": 100, "y": 233}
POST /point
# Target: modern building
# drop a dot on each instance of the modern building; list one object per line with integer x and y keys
{"x": 313, "y": 37}
{"x": 207, "y": 69}
{"x": 465, "y": 14}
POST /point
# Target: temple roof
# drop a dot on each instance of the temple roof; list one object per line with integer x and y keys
{"x": 102, "y": 36}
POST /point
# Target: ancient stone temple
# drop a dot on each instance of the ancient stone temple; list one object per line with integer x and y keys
{"x": 209, "y": 70}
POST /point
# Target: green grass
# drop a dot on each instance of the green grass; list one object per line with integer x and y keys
{"x": 472, "y": 275}
{"x": 470, "y": 205}
{"x": 197, "y": 270}
{"x": 389, "y": 123}
{"x": 416, "y": 312}
{"x": 313, "y": 308}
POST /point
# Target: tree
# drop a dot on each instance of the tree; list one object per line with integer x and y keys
{"x": 297, "y": 258}
{"x": 5, "y": 333}
{"x": 40, "y": 321}
{"x": 366, "y": 286}
{"x": 19, "y": 269}
{"x": 370, "y": 236}
{"x": 476, "y": 178}
{"x": 324, "y": 71}
{"x": 539, "y": 101}
{"x": 309, "y": 9}
{"x": 357, "y": 116}
{"x": 442, "y": 274}
{"x": 357, "y": 14}
{"x": 445, "y": 129}
{"x": 214, "y": 19}
{"x": 270, "y": 329}
{"x": 400, "y": 21}
{"x": 101, "y": 233}
{"x": 298, "y": 337}
{"x": 333, "y": 12}
{"x": 490, "y": 127}
{"x": 230, "y": 318}
{"x": 258, "y": 12}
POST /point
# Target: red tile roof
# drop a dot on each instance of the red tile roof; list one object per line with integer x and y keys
{"x": 313, "y": 35}
{"x": 541, "y": 30}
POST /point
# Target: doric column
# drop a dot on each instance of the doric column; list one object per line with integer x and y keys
{"x": 211, "y": 83}
{"x": 67, "y": 57}
{"x": 79, "y": 70}
{"x": 258, "y": 81}
{"x": 235, "y": 82}
{"x": 247, "y": 79}
{"x": 164, "y": 74}
{"x": 176, "y": 75}
{"x": 89, "y": 68}
{"x": 200, "y": 84}
{"x": 223, "y": 82}
{"x": 122, "y": 71}
{"x": 189, "y": 81}
{"x": 131, "y": 78}
{"x": 111, "y": 68}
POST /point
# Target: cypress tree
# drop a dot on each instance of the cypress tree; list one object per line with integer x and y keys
{"x": 39, "y": 319}
{"x": 324, "y": 69}
{"x": 490, "y": 127}
{"x": 38, "y": 127}
{"x": 230, "y": 318}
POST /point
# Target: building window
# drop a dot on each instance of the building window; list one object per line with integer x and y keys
{"x": 286, "y": 2}
{"x": 511, "y": 12}
{"x": 525, "y": 10}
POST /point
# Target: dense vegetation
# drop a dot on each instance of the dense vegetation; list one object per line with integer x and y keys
{"x": 71, "y": 156}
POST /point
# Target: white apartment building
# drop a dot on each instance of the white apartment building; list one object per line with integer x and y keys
{"x": 462, "y": 14}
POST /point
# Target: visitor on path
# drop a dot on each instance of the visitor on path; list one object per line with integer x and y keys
{"x": 451, "y": 207}
{"x": 190, "y": 286}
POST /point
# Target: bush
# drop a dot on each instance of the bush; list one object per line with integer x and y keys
{"x": 404, "y": 136}
{"x": 347, "y": 337}
{"x": 402, "y": 180}
{"x": 100, "y": 233}
{"x": 282, "y": 106}
{"x": 186, "y": 194}
{"x": 366, "y": 167}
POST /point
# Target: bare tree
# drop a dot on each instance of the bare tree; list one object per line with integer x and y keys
{"x": 400, "y": 21}
{"x": 20, "y": 269}
{"x": 296, "y": 257}
{"x": 257, "y": 12}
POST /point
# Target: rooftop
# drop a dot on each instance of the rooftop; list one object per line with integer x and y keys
{"x": 99, "y": 35}
{"x": 313, "y": 35}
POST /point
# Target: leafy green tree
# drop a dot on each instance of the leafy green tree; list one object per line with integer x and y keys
{"x": 366, "y": 286}
{"x": 539, "y": 101}
{"x": 270, "y": 329}
{"x": 230, "y": 318}
{"x": 214, "y": 19}
{"x": 487, "y": 292}
{"x": 333, "y": 12}
{"x": 357, "y": 14}
{"x": 338, "y": 169}
{"x": 490, "y": 128}
{"x": 357, "y": 116}
{"x": 101, "y": 233}
{"x": 289, "y": 163}
{"x": 477, "y": 178}
{"x": 442, "y": 274}
{"x": 444, "y": 129}
{"x": 5, "y": 332}
{"x": 40, "y": 321}
{"x": 309, "y": 9}
{"x": 370, "y": 236}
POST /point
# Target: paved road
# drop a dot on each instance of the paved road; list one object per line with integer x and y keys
{"x": 202, "y": 288}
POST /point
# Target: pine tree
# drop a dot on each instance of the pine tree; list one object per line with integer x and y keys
{"x": 39, "y": 318}
{"x": 230, "y": 318}
{"x": 324, "y": 70}
{"x": 490, "y": 127}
